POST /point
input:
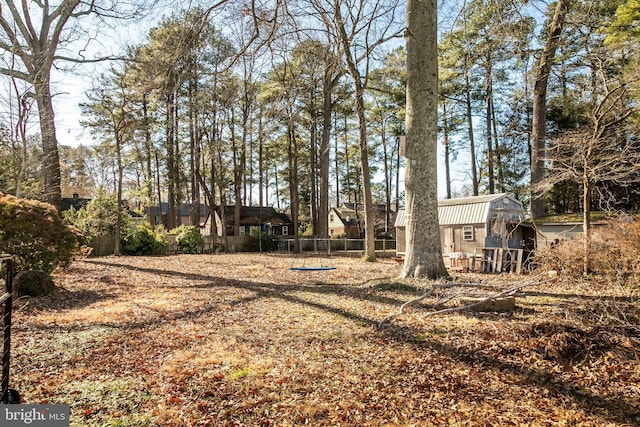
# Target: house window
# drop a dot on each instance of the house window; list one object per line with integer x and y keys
{"x": 285, "y": 230}
{"x": 331, "y": 218}
{"x": 467, "y": 233}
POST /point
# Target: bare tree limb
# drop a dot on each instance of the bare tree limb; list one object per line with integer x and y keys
{"x": 507, "y": 292}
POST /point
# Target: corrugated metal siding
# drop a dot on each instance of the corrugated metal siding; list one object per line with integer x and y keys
{"x": 472, "y": 213}
{"x": 475, "y": 213}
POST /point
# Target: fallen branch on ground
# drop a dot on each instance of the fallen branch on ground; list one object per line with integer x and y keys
{"x": 506, "y": 293}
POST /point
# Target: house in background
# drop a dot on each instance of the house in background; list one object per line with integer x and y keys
{"x": 343, "y": 221}
{"x": 470, "y": 223}
{"x": 252, "y": 219}
{"x": 76, "y": 202}
{"x": 157, "y": 216}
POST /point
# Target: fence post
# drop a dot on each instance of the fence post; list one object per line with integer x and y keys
{"x": 7, "y": 298}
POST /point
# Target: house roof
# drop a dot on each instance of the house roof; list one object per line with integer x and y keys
{"x": 346, "y": 215}
{"x": 185, "y": 209}
{"x": 255, "y": 215}
{"x": 471, "y": 210}
{"x": 77, "y": 203}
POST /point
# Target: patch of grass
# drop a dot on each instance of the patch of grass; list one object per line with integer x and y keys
{"x": 240, "y": 373}
{"x": 107, "y": 402}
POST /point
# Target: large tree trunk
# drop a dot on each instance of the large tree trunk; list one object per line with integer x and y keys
{"x": 313, "y": 176}
{"x": 447, "y": 148}
{"x": 171, "y": 175}
{"x": 147, "y": 146}
{"x": 194, "y": 152}
{"x": 387, "y": 177}
{"x": 423, "y": 252}
{"x": 292, "y": 155}
{"x": 586, "y": 223}
{"x": 490, "y": 157}
{"x": 51, "y": 159}
{"x": 261, "y": 169}
{"x": 116, "y": 247}
{"x": 237, "y": 181}
{"x": 369, "y": 213}
{"x": 327, "y": 107}
{"x": 472, "y": 145}
{"x": 539, "y": 120}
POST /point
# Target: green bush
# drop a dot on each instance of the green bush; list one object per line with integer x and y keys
{"x": 99, "y": 216}
{"x": 143, "y": 241}
{"x": 35, "y": 234}
{"x": 188, "y": 239}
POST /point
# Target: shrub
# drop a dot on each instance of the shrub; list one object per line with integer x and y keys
{"x": 33, "y": 283}
{"x": 35, "y": 234}
{"x": 188, "y": 239}
{"x": 615, "y": 251}
{"x": 99, "y": 216}
{"x": 143, "y": 241}
{"x": 261, "y": 242}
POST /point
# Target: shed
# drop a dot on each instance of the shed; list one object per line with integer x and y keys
{"x": 490, "y": 221}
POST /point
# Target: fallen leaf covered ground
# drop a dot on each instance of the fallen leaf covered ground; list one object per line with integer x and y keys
{"x": 240, "y": 340}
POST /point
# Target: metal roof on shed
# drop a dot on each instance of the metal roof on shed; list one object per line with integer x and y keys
{"x": 465, "y": 210}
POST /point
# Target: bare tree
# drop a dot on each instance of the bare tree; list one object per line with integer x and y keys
{"x": 596, "y": 155}
{"x": 423, "y": 252}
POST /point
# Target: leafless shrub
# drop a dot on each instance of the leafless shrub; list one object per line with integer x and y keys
{"x": 614, "y": 251}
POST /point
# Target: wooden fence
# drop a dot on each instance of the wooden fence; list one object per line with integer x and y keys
{"x": 103, "y": 245}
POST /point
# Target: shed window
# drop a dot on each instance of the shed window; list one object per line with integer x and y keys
{"x": 285, "y": 230}
{"x": 467, "y": 233}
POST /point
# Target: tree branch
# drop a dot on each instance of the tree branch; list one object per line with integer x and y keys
{"x": 15, "y": 73}
{"x": 507, "y": 292}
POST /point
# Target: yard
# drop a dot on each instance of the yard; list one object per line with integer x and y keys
{"x": 239, "y": 340}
